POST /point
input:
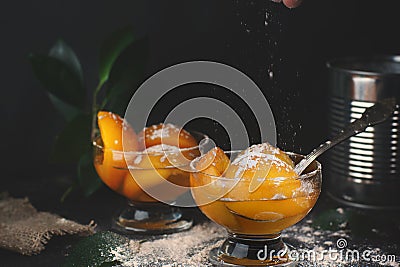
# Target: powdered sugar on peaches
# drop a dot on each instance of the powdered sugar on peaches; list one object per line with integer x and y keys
{"x": 159, "y": 149}
{"x": 166, "y": 130}
{"x": 256, "y": 156}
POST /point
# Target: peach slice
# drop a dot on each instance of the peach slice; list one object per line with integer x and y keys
{"x": 112, "y": 127}
{"x": 109, "y": 161}
{"x": 167, "y": 134}
{"x": 214, "y": 162}
{"x": 272, "y": 210}
{"x": 131, "y": 190}
{"x": 105, "y": 165}
{"x": 276, "y": 181}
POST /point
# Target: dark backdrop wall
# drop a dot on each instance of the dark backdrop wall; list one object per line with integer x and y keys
{"x": 257, "y": 37}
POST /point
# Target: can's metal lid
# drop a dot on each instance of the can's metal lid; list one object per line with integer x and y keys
{"x": 373, "y": 65}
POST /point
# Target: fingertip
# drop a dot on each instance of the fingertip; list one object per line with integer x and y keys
{"x": 292, "y": 3}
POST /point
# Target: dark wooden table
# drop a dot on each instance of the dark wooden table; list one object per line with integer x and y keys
{"x": 368, "y": 229}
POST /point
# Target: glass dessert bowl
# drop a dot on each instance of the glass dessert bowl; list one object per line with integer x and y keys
{"x": 255, "y": 195}
{"x": 142, "y": 168}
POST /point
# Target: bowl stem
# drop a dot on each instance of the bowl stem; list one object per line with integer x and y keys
{"x": 249, "y": 250}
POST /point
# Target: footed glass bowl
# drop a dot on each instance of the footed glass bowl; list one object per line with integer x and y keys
{"x": 141, "y": 177}
{"x": 254, "y": 220}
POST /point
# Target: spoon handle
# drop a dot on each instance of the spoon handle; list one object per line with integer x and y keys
{"x": 378, "y": 113}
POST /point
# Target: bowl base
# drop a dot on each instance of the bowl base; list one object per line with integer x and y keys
{"x": 244, "y": 250}
{"x": 150, "y": 218}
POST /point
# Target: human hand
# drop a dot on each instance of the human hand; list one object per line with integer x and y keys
{"x": 290, "y": 3}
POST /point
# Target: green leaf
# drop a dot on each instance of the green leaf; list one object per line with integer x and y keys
{"x": 126, "y": 75}
{"x": 64, "y": 53}
{"x": 331, "y": 220}
{"x": 58, "y": 79}
{"x": 96, "y": 250}
{"x": 74, "y": 140}
{"x": 89, "y": 181}
{"x": 111, "y": 49}
{"x": 67, "y": 111}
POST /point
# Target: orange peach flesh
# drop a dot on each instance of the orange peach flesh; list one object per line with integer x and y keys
{"x": 110, "y": 162}
{"x": 275, "y": 205}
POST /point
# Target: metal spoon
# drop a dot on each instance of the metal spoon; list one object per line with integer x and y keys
{"x": 376, "y": 114}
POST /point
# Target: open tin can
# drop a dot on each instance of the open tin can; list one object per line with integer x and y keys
{"x": 364, "y": 171}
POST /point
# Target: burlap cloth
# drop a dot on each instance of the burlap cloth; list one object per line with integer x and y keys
{"x": 25, "y": 230}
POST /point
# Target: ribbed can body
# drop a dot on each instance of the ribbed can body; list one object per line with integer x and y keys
{"x": 364, "y": 171}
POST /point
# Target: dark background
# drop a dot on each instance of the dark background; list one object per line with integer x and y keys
{"x": 295, "y": 45}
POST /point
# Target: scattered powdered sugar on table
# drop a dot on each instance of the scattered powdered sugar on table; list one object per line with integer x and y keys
{"x": 191, "y": 248}
{"x": 188, "y": 248}
{"x": 332, "y": 248}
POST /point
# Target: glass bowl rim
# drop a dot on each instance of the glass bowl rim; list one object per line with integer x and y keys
{"x": 222, "y": 178}
{"x": 152, "y": 153}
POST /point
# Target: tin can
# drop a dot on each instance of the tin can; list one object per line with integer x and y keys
{"x": 364, "y": 171}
